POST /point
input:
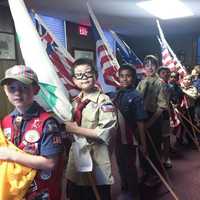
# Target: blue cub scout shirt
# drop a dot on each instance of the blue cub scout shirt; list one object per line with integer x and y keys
{"x": 130, "y": 104}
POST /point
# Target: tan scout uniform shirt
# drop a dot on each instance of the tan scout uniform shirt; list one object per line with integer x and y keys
{"x": 154, "y": 94}
{"x": 99, "y": 114}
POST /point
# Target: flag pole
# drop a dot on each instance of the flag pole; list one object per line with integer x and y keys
{"x": 190, "y": 135}
{"x": 193, "y": 130}
{"x": 162, "y": 37}
{"x": 182, "y": 115}
{"x": 158, "y": 157}
{"x": 159, "y": 40}
{"x": 123, "y": 44}
{"x": 194, "y": 139}
{"x": 162, "y": 178}
{"x": 102, "y": 35}
{"x": 93, "y": 184}
{"x": 66, "y": 53}
{"x": 115, "y": 36}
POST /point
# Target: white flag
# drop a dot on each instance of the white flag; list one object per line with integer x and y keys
{"x": 52, "y": 92}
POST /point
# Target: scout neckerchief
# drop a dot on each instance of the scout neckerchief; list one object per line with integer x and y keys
{"x": 127, "y": 137}
{"x": 78, "y": 111}
{"x": 17, "y": 133}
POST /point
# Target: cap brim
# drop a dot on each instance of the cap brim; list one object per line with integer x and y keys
{"x": 23, "y": 80}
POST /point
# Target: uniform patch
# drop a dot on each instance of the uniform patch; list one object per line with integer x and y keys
{"x": 42, "y": 195}
{"x": 7, "y": 133}
{"x": 45, "y": 174}
{"x": 37, "y": 123}
{"x": 130, "y": 100}
{"x": 32, "y": 136}
{"x": 31, "y": 148}
{"x": 57, "y": 140}
{"x": 33, "y": 186}
{"x": 52, "y": 127}
{"x": 18, "y": 120}
{"x": 107, "y": 107}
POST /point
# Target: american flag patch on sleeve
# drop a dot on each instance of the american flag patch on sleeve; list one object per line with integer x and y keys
{"x": 108, "y": 107}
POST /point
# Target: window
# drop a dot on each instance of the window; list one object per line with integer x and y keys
{"x": 57, "y": 27}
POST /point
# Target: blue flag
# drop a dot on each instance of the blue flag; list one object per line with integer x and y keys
{"x": 127, "y": 54}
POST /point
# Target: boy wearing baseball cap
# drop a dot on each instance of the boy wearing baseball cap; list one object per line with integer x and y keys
{"x": 155, "y": 103}
{"x": 34, "y": 131}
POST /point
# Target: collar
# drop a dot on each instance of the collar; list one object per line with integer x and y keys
{"x": 129, "y": 89}
{"x": 162, "y": 80}
{"x": 33, "y": 111}
{"x": 94, "y": 96}
{"x": 124, "y": 91}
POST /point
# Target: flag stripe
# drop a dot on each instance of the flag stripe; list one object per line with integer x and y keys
{"x": 108, "y": 62}
{"x": 63, "y": 62}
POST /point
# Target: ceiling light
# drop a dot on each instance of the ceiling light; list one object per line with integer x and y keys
{"x": 166, "y": 9}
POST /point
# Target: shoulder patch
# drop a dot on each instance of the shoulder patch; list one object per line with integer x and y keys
{"x": 52, "y": 126}
{"x": 7, "y": 133}
{"x": 57, "y": 140}
{"x": 107, "y": 107}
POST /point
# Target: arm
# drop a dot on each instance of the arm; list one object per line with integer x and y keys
{"x": 162, "y": 104}
{"x": 154, "y": 117}
{"x": 191, "y": 92}
{"x": 32, "y": 161}
{"x": 50, "y": 149}
{"x": 80, "y": 131}
{"x": 101, "y": 127}
{"x": 140, "y": 115}
{"x": 142, "y": 136}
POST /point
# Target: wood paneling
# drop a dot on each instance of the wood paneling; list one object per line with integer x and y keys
{"x": 6, "y": 25}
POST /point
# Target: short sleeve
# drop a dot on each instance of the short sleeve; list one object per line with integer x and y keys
{"x": 107, "y": 121}
{"x": 51, "y": 142}
{"x": 162, "y": 102}
{"x": 141, "y": 87}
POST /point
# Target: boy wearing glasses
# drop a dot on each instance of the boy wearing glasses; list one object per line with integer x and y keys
{"x": 34, "y": 131}
{"x": 94, "y": 119}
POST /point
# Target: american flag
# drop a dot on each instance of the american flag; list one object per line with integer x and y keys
{"x": 127, "y": 55}
{"x": 174, "y": 119}
{"x": 60, "y": 57}
{"x": 169, "y": 58}
{"x": 108, "y": 62}
{"x": 170, "y": 62}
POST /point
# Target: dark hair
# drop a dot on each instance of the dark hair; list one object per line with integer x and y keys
{"x": 130, "y": 68}
{"x": 84, "y": 61}
{"x": 153, "y": 59}
{"x": 163, "y": 68}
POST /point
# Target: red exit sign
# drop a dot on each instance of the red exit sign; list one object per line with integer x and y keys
{"x": 83, "y": 30}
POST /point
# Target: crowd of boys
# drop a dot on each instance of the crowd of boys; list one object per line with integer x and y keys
{"x": 134, "y": 118}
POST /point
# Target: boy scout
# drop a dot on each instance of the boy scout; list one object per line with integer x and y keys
{"x": 34, "y": 131}
{"x": 155, "y": 103}
{"x": 94, "y": 119}
{"x": 131, "y": 115}
{"x": 164, "y": 74}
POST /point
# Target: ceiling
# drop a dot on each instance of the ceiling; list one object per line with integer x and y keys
{"x": 123, "y": 16}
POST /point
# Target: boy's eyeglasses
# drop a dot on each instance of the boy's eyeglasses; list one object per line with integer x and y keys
{"x": 80, "y": 76}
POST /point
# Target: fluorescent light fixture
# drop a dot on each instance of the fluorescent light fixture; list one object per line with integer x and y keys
{"x": 166, "y": 9}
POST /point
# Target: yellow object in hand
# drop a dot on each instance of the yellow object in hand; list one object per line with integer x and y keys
{"x": 15, "y": 179}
